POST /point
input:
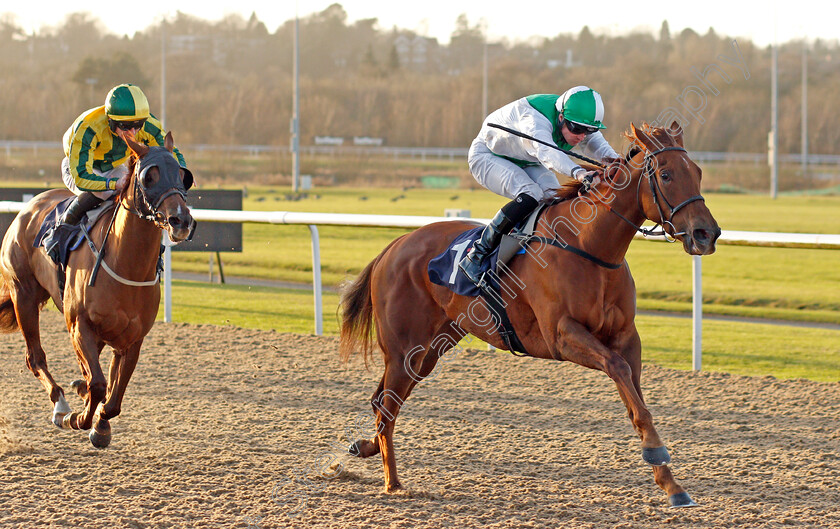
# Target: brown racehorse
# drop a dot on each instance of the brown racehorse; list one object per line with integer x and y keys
{"x": 562, "y": 306}
{"x": 120, "y": 308}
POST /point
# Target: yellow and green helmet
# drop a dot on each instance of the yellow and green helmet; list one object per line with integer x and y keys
{"x": 126, "y": 102}
{"x": 582, "y": 105}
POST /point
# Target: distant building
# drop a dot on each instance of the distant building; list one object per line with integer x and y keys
{"x": 568, "y": 63}
{"x": 417, "y": 53}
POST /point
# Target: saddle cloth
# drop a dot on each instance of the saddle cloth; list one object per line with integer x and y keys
{"x": 443, "y": 270}
{"x": 61, "y": 242}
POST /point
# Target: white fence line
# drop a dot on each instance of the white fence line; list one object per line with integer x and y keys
{"x": 313, "y": 220}
{"x": 431, "y": 152}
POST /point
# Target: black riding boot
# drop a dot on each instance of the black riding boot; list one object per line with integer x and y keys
{"x": 80, "y": 205}
{"x": 77, "y": 209}
{"x": 509, "y": 216}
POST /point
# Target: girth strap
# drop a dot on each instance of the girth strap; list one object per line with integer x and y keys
{"x": 505, "y": 327}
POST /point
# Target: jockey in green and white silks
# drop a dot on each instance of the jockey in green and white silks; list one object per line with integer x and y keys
{"x": 509, "y": 165}
{"x": 525, "y": 170}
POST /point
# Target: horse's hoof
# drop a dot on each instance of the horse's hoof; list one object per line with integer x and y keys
{"x": 60, "y": 410}
{"x": 67, "y": 421}
{"x": 363, "y": 448}
{"x": 99, "y": 440}
{"x": 656, "y": 456}
{"x": 80, "y": 387}
{"x": 392, "y": 488}
{"x": 681, "y": 499}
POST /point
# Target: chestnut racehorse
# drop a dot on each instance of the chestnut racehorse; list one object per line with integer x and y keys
{"x": 120, "y": 308}
{"x": 562, "y": 306}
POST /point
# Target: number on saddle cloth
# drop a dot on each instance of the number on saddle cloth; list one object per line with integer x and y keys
{"x": 443, "y": 270}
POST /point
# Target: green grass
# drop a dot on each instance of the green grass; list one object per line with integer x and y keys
{"x": 744, "y": 348}
{"x": 251, "y": 307}
{"x": 794, "y": 284}
{"x": 732, "y": 347}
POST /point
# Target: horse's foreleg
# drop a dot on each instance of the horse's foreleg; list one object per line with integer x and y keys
{"x": 119, "y": 374}
{"x": 27, "y": 301}
{"x": 677, "y": 496}
{"x": 578, "y": 345}
{"x": 88, "y": 348}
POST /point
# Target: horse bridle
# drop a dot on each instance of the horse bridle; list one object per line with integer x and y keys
{"x": 144, "y": 208}
{"x": 649, "y": 172}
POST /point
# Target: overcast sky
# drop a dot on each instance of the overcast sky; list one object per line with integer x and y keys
{"x": 436, "y": 18}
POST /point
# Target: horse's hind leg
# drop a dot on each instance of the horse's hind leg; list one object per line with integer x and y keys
{"x": 389, "y": 397}
{"x": 365, "y": 447}
{"x": 27, "y": 299}
{"x": 396, "y": 388}
{"x": 402, "y": 373}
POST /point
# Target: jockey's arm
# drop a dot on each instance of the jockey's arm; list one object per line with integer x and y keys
{"x": 152, "y": 133}
{"x": 596, "y": 146}
{"x": 548, "y": 157}
{"x": 81, "y": 156}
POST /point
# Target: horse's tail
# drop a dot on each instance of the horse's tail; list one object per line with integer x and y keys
{"x": 357, "y": 316}
{"x": 8, "y": 317}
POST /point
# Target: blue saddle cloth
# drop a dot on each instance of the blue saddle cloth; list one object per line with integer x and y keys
{"x": 58, "y": 243}
{"x": 444, "y": 270}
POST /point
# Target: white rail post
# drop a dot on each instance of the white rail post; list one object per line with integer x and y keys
{"x": 316, "y": 280}
{"x": 167, "y": 278}
{"x": 697, "y": 312}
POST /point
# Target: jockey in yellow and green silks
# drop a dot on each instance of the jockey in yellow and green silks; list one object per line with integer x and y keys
{"x": 94, "y": 167}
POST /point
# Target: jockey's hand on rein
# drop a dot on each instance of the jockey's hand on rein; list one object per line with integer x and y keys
{"x": 589, "y": 179}
{"x": 121, "y": 183}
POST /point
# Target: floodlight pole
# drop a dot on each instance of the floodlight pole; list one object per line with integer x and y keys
{"x": 295, "y": 129}
{"x": 774, "y": 124}
{"x": 167, "y": 245}
{"x": 484, "y": 78}
{"x": 804, "y": 108}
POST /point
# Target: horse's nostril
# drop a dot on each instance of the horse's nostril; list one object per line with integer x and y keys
{"x": 700, "y": 235}
{"x": 175, "y": 222}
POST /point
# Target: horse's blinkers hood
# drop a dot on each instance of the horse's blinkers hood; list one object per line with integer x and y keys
{"x": 170, "y": 178}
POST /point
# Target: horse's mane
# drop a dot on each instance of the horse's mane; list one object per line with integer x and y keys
{"x": 568, "y": 190}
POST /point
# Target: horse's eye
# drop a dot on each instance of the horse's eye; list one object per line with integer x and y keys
{"x": 150, "y": 178}
{"x": 665, "y": 175}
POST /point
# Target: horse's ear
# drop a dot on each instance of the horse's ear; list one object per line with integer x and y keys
{"x": 168, "y": 142}
{"x": 676, "y": 132}
{"x": 643, "y": 138}
{"x": 137, "y": 148}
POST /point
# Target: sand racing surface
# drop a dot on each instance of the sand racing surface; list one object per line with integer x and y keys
{"x": 227, "y": 427}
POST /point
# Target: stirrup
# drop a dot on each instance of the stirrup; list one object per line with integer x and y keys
{"x": 478, "y": 280}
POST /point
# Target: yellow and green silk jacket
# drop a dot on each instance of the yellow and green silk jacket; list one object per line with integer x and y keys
{"x": 90, "y": 144}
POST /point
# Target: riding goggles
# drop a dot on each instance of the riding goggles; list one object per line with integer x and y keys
{"x": 577, "y": 128}
{"x": 128, "y": 125}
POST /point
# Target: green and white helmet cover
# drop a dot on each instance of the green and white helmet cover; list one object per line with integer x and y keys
{"x": 126, "y": 102}
{"x": 582, "y": 105}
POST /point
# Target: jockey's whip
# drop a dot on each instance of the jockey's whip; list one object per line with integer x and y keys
{"x": 527, "y": 137}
